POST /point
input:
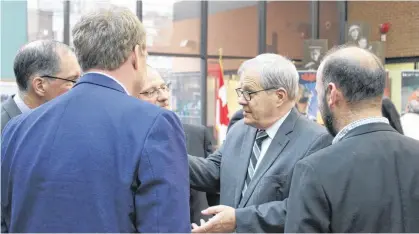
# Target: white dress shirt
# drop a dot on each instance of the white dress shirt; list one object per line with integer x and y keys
{"x": 21, "y": 104}
{"x": 271, "y": 131}
{"x": 117, "y": 81}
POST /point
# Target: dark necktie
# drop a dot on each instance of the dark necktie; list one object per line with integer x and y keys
{"x": 254, "y": 157}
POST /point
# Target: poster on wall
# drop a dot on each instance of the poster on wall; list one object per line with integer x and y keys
{"x": 314, "y": 50}
{"x": 358, "y": 33}
{"x": 307, "y": 100}
{"x": 410, "y": 88}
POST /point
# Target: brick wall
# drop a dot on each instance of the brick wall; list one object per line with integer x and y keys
{"x": 403, "y": 38}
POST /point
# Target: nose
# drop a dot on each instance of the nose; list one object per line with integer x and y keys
{"x": 242, "y": 101}
{"x": 163, "y": 96}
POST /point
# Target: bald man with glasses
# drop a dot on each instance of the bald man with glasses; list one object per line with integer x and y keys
{"x": 198, "y": 140}
{"x": 44, "y": 69}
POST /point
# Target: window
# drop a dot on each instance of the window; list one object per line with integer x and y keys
{"x": 46, "y": 20}
{"x": 80, "y": 7}
{"x": 288, "y": 24}
{"x": 172, "y": 26}
{"x": 185, "y": 77}
{"x": 233, "y": 26}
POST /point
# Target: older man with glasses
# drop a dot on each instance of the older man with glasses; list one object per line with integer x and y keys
{"x": 253, "y": 168}
{"x": 198, "y": 140}
{"x": 44, "y": 69}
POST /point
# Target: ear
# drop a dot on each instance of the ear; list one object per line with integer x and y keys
{"x": 282, "y": 95}
{"x": 333, "y": 95}
{"x": 39, "y": 86}
{"x": 140, "y": 52}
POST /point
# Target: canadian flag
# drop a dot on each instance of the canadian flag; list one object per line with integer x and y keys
{"x": 222, "y": 119}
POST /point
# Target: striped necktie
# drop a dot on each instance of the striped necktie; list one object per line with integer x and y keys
{"x": 254, "y": 157}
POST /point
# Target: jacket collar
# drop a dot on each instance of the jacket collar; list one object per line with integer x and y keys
{"x": 101, "y": 80}
{"x": 368, "y": 128}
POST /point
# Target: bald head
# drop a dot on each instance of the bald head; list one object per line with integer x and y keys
{"x": 153, "y": 74}
{"x": 358, "y": 73}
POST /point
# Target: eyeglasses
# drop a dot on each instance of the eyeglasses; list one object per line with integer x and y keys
{"x": 155, "y": 92}
{"x": 58, "y": 78}
{"x": 248, "y": 95}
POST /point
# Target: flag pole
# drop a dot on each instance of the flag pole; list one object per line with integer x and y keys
{"x": 220, "y": 59}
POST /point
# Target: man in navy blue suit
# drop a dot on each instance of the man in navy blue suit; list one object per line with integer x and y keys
{"x": 96, "y": 159}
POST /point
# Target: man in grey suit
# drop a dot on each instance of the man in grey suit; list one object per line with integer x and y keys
{"x": 44, "y": 69}
{"x": 368, "y": 179}
{"x": 253, "y": 168}
{"x": 198, "y": 140}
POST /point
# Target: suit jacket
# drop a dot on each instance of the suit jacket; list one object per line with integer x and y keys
{"x": 198, "y": 143}
{"x": 9, "y": 109}
{"x": 367, "y": 182}
{"x": 84, "y": 162}
{"x": 263, "y": 206}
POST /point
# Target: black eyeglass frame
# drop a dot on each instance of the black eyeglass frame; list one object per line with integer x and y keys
{"x": 148, "y": 93}
{"x": 59, "y": 78}
{"x": 241, "y": 92}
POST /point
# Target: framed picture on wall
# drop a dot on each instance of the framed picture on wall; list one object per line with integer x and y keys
{"x": 358, "y": 33}
{"x": 410, "y": 88}
{"x": 314, "y": 50}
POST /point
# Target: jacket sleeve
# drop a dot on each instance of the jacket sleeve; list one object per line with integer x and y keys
{"x": 308, "y": 209}
{"x": 162, "y": 194}
{"x": 205, "y": 172}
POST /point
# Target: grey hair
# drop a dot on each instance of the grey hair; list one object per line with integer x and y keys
{"x": 245, "y": 65}
{"x": 38, "y": 58}
{"x": 276, "y": 72}
{"x": 104, "y": 39}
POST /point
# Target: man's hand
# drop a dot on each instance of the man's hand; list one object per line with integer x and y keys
{"x": 223, "y": 221}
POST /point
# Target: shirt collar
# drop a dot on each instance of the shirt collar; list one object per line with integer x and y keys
{"x": 356, "y": 124}
{"x": 21, "y": 104}
{"x": 272, "y": 130}
{"x": 110, "y": 77}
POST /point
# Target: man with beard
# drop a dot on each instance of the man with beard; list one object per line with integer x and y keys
{"x": 368, "y": 179}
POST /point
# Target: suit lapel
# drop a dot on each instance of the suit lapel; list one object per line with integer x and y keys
{"x": 243, "y": 162}
{"x": 277, "y": 145}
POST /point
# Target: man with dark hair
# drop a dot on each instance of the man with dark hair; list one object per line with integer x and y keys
{"x": 44, "y": 69}
{"x": 368, "y": 179}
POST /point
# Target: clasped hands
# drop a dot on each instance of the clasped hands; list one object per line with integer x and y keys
{"x": 224, "y": 220}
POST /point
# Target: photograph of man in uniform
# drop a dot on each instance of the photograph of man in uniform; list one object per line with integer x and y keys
{"x": 314, "y": 51}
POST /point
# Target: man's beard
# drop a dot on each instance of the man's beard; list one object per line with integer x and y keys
{"x": 328, "y": 118}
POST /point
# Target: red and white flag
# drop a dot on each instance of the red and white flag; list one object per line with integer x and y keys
{"x": 222, "y": 119}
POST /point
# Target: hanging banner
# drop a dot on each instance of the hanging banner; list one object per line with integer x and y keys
{"x": 410, "y": 88}
{"x": 307, "y": 101}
